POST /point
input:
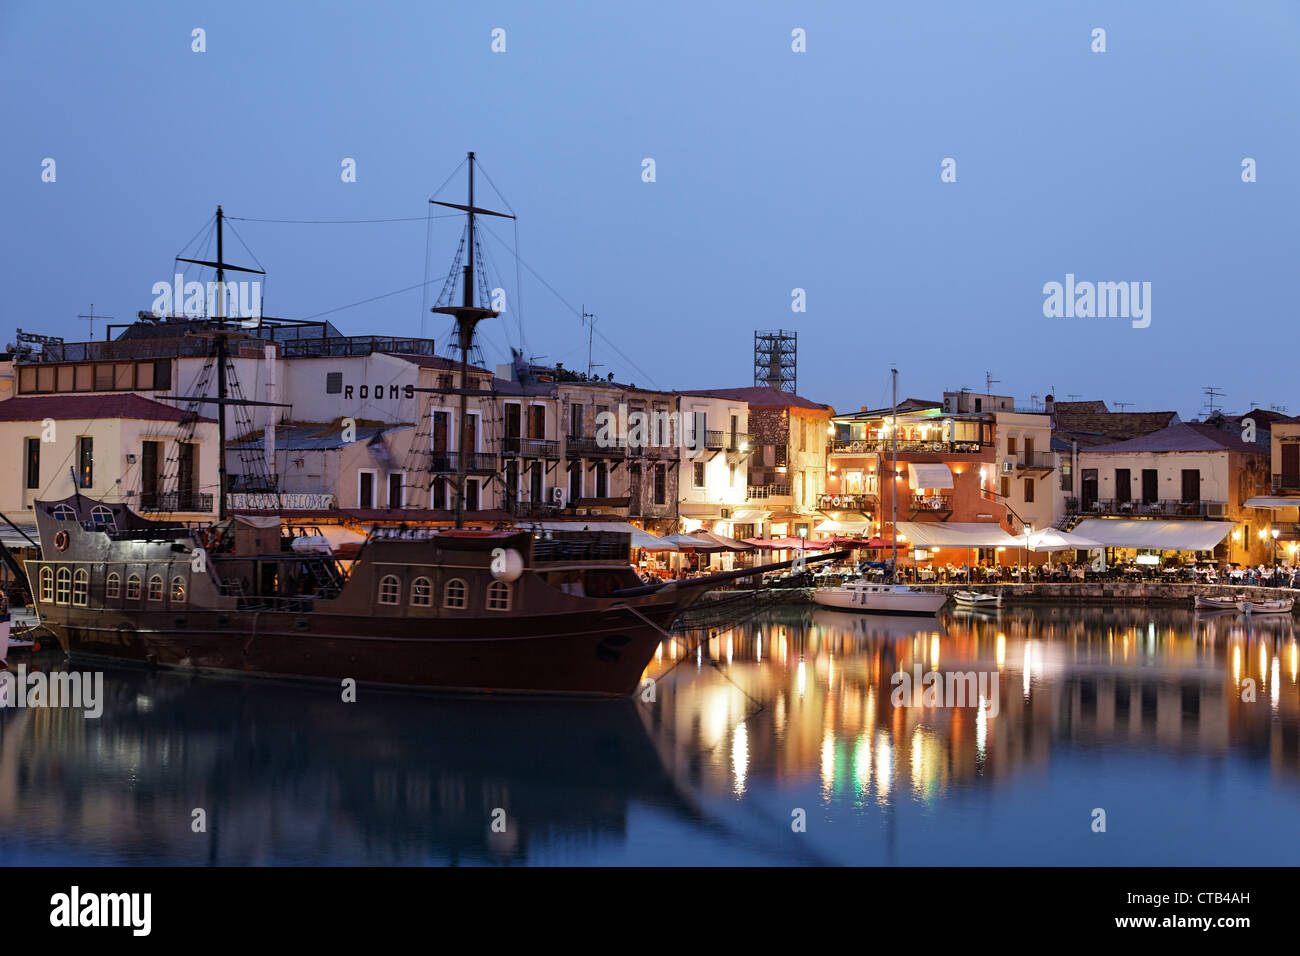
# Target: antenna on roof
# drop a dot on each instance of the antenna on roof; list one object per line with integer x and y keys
{"x": 1073, "y": 395}
{"x": 1213, "y": 392}
{"x": 1121, "y": 405}
{"x": 989, "y": 382}
{"x": 92, "y": 317}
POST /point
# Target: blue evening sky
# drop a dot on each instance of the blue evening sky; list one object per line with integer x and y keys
{"x": 775, "y": 170}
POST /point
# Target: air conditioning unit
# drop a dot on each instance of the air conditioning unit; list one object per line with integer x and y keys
{"x": 557, "y": 495}
{"x": 1214, "y": 509}
{"x": 1008, "y": 467}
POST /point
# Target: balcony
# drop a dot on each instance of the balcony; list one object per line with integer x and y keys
{"x": 740, "y": 441}
{"x": 531, "y": 509}
{"x": 1283, "y": 483}
{"x": 935, "y": 505}
{"x": 449, "y": 462}
{"x": 760, "y": 492}
{"x": 715, "y": 440}
{"x": 583, "y": 447}
{"x": 530, "y": 448}
{"x": 885, "y": 446}
{"x": 173, "y": 501}
{"x": 1033, "y": 461}
{"x": 1162, "y": 508}
{"x": 847, "y": 503}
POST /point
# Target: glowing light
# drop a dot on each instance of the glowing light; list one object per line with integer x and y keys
{"x": 934, "y": 651}
{"x": 828, "y": 762}
{"x": 1002, "y": 651}
{"x": 801, "y": 678}
{"x": 884, "y": 766}
{"x": 740, "y": 756}
{"x": 729, "y": 649}
{"x": 1275, "y": 693}
{"x": 1236, "y": 664}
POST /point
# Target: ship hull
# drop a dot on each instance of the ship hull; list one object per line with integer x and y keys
{"x": 559, "y": 654}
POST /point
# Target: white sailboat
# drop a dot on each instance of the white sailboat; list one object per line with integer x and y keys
{"x": 892, "y": 598}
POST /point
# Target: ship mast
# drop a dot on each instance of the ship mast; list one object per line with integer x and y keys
{"x": 893, "y": 477}
{"x": 467, "y": 315}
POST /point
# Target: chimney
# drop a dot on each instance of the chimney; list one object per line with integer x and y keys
{"x": 1049, "y": 404}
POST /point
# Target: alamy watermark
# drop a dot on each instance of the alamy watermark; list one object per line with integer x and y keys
{"x": 953, "y": 689}
{"x": 1101, "y": 300}
{"x": 196, "y": 300}
{"x": 82, "y": 691}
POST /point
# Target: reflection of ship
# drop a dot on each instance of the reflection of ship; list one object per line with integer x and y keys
{"x": 288, "y": 774}
{"x": 886, "y": 627}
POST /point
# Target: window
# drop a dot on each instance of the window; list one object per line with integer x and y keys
{"x": 85, "y": 461}
{"x": 133, "y": 587}
{"x": 124, "y": 376}
{"x": 113, "y": 585}
{"x": 45, "y": 379}
{"x": 698, "y": 474}
{"x": 602, "y": 480}
{"x": 102, "y": 517}
{"x": 389, "y": 589}
{"x": 47, "y": 585}
{"x": 333, "y": 383}
{"x": 63, "y": 513}
{"x": 27, "y": 379}
{"x": 661, "y": 484}
{"x": 498, "y": 596}
{"x": 1006, "y": 487}
{"x": 1029, "y": 489}
{"x": 178, "y": 590}
{"x": 144, "y": 376}
{"x": 162, "y": 374}
{"x": 103, "y": 378}
{"x": 63, "y": 586}
{"x": 575, "y": 421}
{"x": 453, "y": 595}
{"x": 395, "y": 497}
{"x": 365, "y": 489}
{"x": 80, "y": 587}
{"x": 421, "y": 592}
{"x": 575, "y": 481}
{"x": 1011, "y": 446}
{"x": 33, "y": 463}
{"x": 156, "y": 588}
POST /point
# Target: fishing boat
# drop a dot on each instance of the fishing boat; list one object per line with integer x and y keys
{"x": 1279, "y": 606}
{"x": 977, "y": 599}
{"x": 502, "y": 610}
{"x": 877, "y": 598}
{"x": 1204, "y": 603}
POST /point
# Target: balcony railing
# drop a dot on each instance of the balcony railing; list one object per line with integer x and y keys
{"x": 759, "y": 492}
{"x": 583, "y": 447}
{"x": 736, "y": 441}
{"x": 1161, "y": 508}
{"x": 532, "y": 509}
{"x": 175, "y": 501}
{"x": 1032, "y": 459}
{"x": 1285, "y": 483}
{"x": 530, "y": 448}
{"x": 873, "y": 446}
{"x": 847, "y": 503}
{"x": 448, "y": 462}
{"x": 715, "y": 441}
{"x": 940, "y": 503}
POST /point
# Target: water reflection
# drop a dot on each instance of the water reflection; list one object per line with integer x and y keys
{"x": 1185, "y": 728}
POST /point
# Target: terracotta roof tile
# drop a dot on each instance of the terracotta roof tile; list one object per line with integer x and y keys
{"x": 34, "y": 408}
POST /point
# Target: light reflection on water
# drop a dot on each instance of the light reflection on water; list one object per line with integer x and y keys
{"x": 1135, "y": 711}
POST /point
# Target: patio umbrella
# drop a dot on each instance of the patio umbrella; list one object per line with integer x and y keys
{"x": 721, "y": 541}
{"x": 1050, "y": 539}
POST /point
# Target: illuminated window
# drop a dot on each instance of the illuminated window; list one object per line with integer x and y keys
{"x": 63, "y": 513}
{"x": 80, "y": 587}
{"x": 47, "y": 585}
{"x": 113, "y": 585}
{"x": 389, "y": 589}
{"x": 453, "y": 595}
{"x": 63, "y": 586}
{"x": 178, "y": 590}
{"x": 102, "y": 517}
{"x": 498, "y": 596}
{"x": 133, "y": 588}
{"x": 156, "y": 588}
{"x": 421, "y": 592}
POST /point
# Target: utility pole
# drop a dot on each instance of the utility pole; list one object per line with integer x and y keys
{"x": 92, "y": 317}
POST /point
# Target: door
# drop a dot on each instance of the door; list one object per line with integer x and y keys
{"x": 1290, "y": 466}
{"x": 1150, "y": 486}
{"x": 149, "y": 459}
{"x": 439, "y": 435}
{"x": 366, "y": 489}
{"x": 1088, "y": 486}
{"x": 513, "y": 424}
{"x": 1123, "y": 485}
{"x": 1191, "y": 485}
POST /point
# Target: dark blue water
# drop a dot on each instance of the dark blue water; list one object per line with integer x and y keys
{"x": 1135, "y": 712}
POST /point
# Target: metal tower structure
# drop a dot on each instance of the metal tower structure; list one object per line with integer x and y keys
{"x": 776, "y": 358}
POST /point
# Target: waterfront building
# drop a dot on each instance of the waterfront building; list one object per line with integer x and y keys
{"x": 151, "y": 456}
{"x": 1185, "y": 487}
{"x": 711, "y": 461}
{"x": 1282, "y": 499}
{"x": 778, "y": 457}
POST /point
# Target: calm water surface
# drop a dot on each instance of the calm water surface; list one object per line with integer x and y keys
{"x": 1134, "y": 711}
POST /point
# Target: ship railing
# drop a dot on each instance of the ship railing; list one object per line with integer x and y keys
{"x": 284, "y": 605}
{"x": 554, "y": 546}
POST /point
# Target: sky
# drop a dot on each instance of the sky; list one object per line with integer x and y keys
{"x": 774, "y": 171}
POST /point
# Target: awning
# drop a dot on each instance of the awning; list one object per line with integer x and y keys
{"x": 934, "y": 475}
{"x": 1155, "y": 533}
{"x": 721, "y": 541}
{"x": 846, "y": 525}
{"x": 1050, "y": 539}
{"x": 957, "y": 534}
{"x": 750, "y": 516}
{"x": 1270, "y": 501}
{"x": 699, "y": 510}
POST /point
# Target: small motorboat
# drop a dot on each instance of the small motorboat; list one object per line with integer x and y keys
{"x": 977, "y": 599}
{"x": 872, "y": 598}
{"x": 1280, "y": 606}
{"x": 1216, "y": 603}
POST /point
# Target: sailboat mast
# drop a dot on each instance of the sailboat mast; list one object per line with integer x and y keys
{"x": 893, "y": 475}
{"x": 465, "y": 334}
{"x": 221, "y": 374}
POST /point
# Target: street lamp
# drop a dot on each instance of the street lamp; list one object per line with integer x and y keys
{"x": 1274, "y": 532}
